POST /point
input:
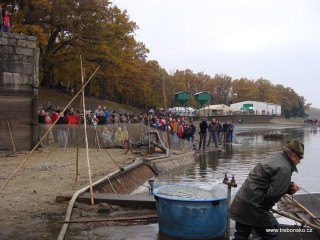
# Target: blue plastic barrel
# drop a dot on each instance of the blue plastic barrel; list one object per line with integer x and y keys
{"x": 190, "y": 217}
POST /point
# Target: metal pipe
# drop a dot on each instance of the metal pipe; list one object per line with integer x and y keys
{"x": 131, "y": 165}
{"x": 229, "y": 183}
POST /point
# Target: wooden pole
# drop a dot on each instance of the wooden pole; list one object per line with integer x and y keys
{"x": 14, "y": 147}
{"x": 45, "y": 135}
{"x": 86, "y": 137}
{"x": 78, "y": 142}
{"x": 296, "y": 219}
{"x": 149, "y": 217}
{"x": 301, "y": 206}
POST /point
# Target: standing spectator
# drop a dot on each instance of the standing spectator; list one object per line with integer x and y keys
{"x": 188, "y": 133}
{"x": 181, "y": 130}
{"x": 230, "y": 132}
{"x": 106, "y": 112}
{"x": 203, "y": 133}
{"x": 54, "y": 117}
{"x": 62, "y": 130}
{"x": 102, "y": 119}
{"x": 193, "y": 129}
{"x": 213, "y": 132}
{"x": 174, "y": 126}
{"x": 97, "y": 111}
{"x": 224, "y": 132}
{"x": 72, "y": 121}
{"x": 219, "y": 130}
{"x": 6, "y": 22}
{"x": 163, "y": 122}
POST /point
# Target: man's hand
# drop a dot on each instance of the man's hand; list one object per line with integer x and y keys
{"x": 293, "y": 188}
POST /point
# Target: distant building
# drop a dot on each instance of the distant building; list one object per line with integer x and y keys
{"x": 213, "y": 110}
{"x": 258, "y": 108}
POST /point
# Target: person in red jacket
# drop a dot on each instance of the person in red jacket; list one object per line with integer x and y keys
{"x": 72, "y": 121}
{"x": 54, "y": 117}
{"x": 6, "y": 22}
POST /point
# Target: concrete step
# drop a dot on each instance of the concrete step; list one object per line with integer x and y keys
{"x": 123, "y": 200}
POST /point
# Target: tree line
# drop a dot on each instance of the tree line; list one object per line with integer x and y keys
{"x": 102, "y": 34}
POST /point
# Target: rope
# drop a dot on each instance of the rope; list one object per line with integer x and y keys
{"x": 310, "y": 193}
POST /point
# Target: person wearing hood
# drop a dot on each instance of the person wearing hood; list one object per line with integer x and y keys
{"x": 263, "y": 188}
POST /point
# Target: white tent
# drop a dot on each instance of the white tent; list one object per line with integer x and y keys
{"x": 183, "y": 111}
{"x": 219, "y": 109}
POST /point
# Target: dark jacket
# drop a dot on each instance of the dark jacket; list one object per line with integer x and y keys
{"x": 213, "y": 127}
{"x": 265, "y": 185}
{"x": 203, "y": 127}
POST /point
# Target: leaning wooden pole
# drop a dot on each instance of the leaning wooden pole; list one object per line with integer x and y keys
{"x": 301, "y": 206}
{"x": 45, "y": 135}
{"x": 14, "y": 147}
{"x": 86, "y": 137}
{"x": 295, "y": 219}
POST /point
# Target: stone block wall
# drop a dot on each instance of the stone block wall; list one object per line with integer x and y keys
{"x": 19, "y": 82}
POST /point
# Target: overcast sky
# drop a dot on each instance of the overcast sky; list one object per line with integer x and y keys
{"x": 278, "y": 40}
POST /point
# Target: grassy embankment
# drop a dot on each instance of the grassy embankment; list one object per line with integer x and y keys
{"x": 62, "y": 99}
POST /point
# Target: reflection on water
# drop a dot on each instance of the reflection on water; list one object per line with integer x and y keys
{"x": 247, "y": 150}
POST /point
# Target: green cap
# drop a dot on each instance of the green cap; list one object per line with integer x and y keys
{"x": 296, "y": 146}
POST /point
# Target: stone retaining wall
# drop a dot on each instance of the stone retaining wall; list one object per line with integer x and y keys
{"x": 19, "y": 82}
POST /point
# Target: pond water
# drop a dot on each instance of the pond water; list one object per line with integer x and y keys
{"x": 189, "y": 192}
{"x": 247, "y": 150}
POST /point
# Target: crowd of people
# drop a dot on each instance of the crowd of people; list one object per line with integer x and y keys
{"x": 309, "y": 121}
{"x": 64, "y": 133}
{"x": 5, "y": 22}
{"x": 179, "y": 127}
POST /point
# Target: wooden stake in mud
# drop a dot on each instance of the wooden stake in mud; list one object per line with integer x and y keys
{"x": 45, "y": 135}
{"x": 78, "y": 142}
{"x": 86, "y": 136}
{"x": 14, "y": 147}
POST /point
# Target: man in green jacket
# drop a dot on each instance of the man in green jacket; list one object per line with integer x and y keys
{"x": 264, "y": 186}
